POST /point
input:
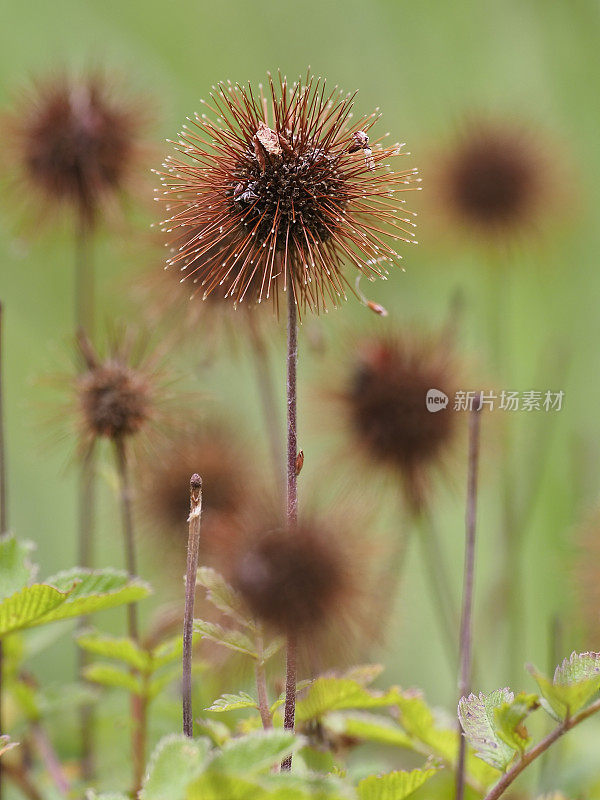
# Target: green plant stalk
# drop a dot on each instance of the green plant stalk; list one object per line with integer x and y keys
{"x": 194, "y": 521}
{"x": 531, "y": 755}
{"x": 466, "y": 624}
{"x": 292, "y": 502}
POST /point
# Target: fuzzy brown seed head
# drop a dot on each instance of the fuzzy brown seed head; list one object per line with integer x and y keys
{"x": 75, "y": 140}
{"x": 385, "y": 402}
{"x": 280, "y": 197}
{"x": 114, "y": 400}
{"x": 291, "y": 581}
{"x": 494, "y": 178}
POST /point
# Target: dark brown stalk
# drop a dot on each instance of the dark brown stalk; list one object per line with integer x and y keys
{"x": 292, "y": 501}
{"x": 261, "y": 685}
{"x": 3, "y": 506}
{"x": 508, "y": 778}
{"x": 465, "y": 653}
{"x": 268, "y": 398}
{"x": 84, "y": 321}
{"x": 139, "y": 712}
{"x": 194, "y": 521}
{"x": 49, "y": 758}
{"x": 128, "y": 532}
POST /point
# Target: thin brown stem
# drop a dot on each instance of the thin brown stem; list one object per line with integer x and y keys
{"x": 49, "y": 758}
{"x": 3, "y": 507}
{"x": 508, "y": 778}
{"x": 261, "y": 685}
{"x": 268, "y": 398}
{"x": 465, "y": 652}
{"x": 139, "y": 713}
{"x": 128, "y": 531}
{"x": 194, "y": 521}
{"x": 84, "y": 279}
{"x": 292, "y": 502}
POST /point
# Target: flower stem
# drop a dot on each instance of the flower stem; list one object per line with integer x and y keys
{"x": 128, "y": 532}
{"x": 292, "y": 501}
{"x": 50, "y": 759}
{"x": 465, "y": 654}
{"x": 3, "y": 506}
{"x": 84, "y": 322}
{"x": 261, "y": 685}
{"x": 507, "y": 779}
{"x": 194, "y": 521}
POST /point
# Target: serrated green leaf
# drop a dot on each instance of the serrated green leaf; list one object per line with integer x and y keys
{"x": 119, "y": 648}
{"x": 576, "y": 681}
{"x": 394, "y": 785}
{"x": 300, "y": 686}
{"x": 176, "y": 761}
{"x": 113, "y": 677}
{"x": 17, "y": 570}
{"x": 216, "y": 730}
{"x": 255, "y": 752}
{"x": 234, "y": 640}
{"x": 160, "y": 682}
{"x": 304, "y": 786}
{"x": 167, "y": 652}
{"x": 70, "y": 594}
{"x": 233, "y": 702}
{"x": 273, "y": 647}
{"x": 438, "y": 738}
{"x": 477, "y": 715}
{"x": 221, "y": 594}
{"x": 510, "y": 717}
{"x": 368, "y": 728}
{"x": 335, "y": 694}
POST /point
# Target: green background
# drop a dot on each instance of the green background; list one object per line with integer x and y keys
{"x": 429, "y": 66}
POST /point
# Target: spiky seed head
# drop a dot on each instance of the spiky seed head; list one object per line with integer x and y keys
{"x": 281, "y": 194}
{"x": 76, "y": 141}
{"x": 494, "y": 178}
{"x": 386, "y": 408}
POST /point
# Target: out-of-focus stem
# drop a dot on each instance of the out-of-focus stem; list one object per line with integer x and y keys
{"x": 464, "y": 680}
{"x": 50, "y": 759}
{"x": 194, "y": 521}
{"x": 292, "y": 501}
{"x": 128, "y": 531}
{"x": 261, "y": 685}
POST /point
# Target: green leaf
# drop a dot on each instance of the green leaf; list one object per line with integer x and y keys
{"x": 576, "y": 681}
{"x": 176, "y": 761}
{"x": 303, "y": 786}
{"x": 234, "y": 640}
{"x": 334, "y": 694}
{"x": 160, "y": 682}
{"x": 221, "y": 594}
{"x": 394, "y": 785}
{"x": 281, "y": 699}
{"x": 368, "y": 728}
{"x": 70, "y": 594}
{"x": 273, "y": 647}
{"x": 364, "y": 674}
{"x": 121, "y": 649}
{"x": 114, "y": 677}
{"x": 216, "y": 786}
{"x": 439, "y": 739}
{"x": 91, "y": 795}
{"x": 255, "y": 752}
{"x": 17, "y": 570}
{"x": 477, "y": 715}
{"x": 510, "y": 717}
{"x": 233, "y": 702}
{"x": 216, "y": 730}
{"x": 167, "y": 652}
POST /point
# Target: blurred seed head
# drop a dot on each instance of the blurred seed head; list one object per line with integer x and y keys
{"x": 385, "y": 407}
{"x": 276, "y": 190}
{"x": 495, "y": 178}
{"x": 75, "y": 141}
{"x": 120, "y": 395}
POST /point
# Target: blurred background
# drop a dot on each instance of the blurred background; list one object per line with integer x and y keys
{"x": 523, "y": 304}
